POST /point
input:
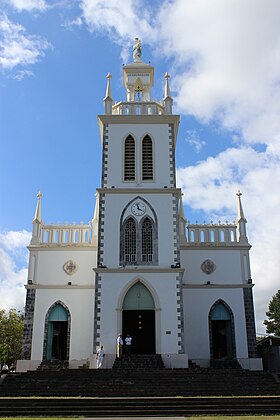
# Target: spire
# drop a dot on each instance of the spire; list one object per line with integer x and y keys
{"x": 182, "y": 220}
{"x": 37, "y": 217}
{"x": 37, "y": 222}
{"x": 108, "y": 100}
{"x": 96, "y": 210}
{"x": 240, "y": 209}
{"x": 166, "y": 90}
{"x": 168, "y": 101}
{"x": 241, "y": 221}
{"x": 108, "y": 89}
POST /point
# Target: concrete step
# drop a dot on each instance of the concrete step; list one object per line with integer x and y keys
{"x": 139, "y": 361}
{"x": 157, "y": 382}
{"x": 124, "y": 407}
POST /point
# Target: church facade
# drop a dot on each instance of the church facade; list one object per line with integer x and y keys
{"x": 181, "y": 290}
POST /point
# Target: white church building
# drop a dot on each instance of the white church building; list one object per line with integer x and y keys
{"x": 181, "y": 290}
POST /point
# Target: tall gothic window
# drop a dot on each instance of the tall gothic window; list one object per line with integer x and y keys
{"x": 147, "y": 159}
{"x": 129, "y": 159}
{"x": 147, "y": 240}
{"x": 138, "y": 237}
{"x": 130, "y": 240}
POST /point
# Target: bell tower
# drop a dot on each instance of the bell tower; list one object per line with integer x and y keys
{"x": 138, "y": 275}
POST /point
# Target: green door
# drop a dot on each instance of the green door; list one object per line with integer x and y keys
{"x": 138, "y": 319}
{"x": 57, "y": 334}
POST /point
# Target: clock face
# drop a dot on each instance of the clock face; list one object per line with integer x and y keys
{"x": 138, "y": 209}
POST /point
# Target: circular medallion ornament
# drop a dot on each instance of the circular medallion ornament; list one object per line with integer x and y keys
{"x": 208, "y": 267}
{"x": 70, "y": 267}
{"x": 138, "y": 209}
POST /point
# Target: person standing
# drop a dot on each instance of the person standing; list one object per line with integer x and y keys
{"x": 119, "y": 346}
{"x": 128, "y": 341}
{"x": 5, "y": 368}
{"x": 99, "y": 357}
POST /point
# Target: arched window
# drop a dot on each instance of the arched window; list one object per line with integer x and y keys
{"x": 147, "y": 159}
{"x": 138, "y": 234}
{"x": 130, "y": 240}
{"x": 147, "y": 240}
{"x": 129, "y": 159}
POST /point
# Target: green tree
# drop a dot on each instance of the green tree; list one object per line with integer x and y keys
{"x": 273, "y": 314}
{"x": 11, "y": 335}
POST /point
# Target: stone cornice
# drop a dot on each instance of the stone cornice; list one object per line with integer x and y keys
{"x": 62, "y": 247}
{"x": 217, "y": 286}
{"x": 139, "y": 270}
{"x": 139, "y": 191}
{"x": 237, "y": 246}
{"x": 61, "y": 286}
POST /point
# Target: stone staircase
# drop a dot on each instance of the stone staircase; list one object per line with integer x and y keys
{"x": 53, "y": 365}
{"x": 138, "y": 407}
{"x": 139, "y": 385}
{"x": 139, "y": 361}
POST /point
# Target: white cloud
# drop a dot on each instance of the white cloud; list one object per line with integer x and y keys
{"x": 193, "y": 138}
{"x": 13, "y": 268}
{"x": 29, "y": 5}
{"x": 17, "y": 47}
{"x": 227, "y": 63}
{"x": 21, "y": 74}
{"x": 122, "y": 22}
{"x": 71, "y": 24}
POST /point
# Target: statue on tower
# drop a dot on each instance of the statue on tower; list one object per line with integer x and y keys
{"x": 137, "y": 51}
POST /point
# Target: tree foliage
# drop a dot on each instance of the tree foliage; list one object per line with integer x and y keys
{"x": 273, "y": 314}
{"x": 11, "y": 336}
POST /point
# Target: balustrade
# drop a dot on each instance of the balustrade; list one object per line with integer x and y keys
{"x": 211, "y": 233}
{"x": 67, "y": 234}
{"x": 138, "y": 108}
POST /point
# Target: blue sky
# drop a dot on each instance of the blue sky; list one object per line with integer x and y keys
{"x": 224, "y": 62}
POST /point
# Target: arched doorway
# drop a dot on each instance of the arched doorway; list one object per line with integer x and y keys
{"x": 221, "y": 329}
{"x": 138, "y": 319}
{"x": 57, "y": 333}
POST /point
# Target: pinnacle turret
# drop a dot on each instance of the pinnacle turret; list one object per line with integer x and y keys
{"x": 37, "y": 221}
{"x": 241, "y": 221}
{"x": 108, "y": 100}
{"x": 168, "y": 101}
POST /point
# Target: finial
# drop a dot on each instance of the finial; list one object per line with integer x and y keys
{"x": 37, "y": 217}
{"x": 240, "y": 209}
{"x": 137, "y": 51}
{"x": 108, "y": 88}
{"x": 167, "y": 89}
{"x": 108, "y": 100}
{"x": 241, "y": 221}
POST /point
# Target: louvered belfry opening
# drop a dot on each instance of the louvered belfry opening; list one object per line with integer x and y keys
{"x": 129, "y": 159}
{"x": 147, "y": 159}
{"x": 130, "y": 240}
